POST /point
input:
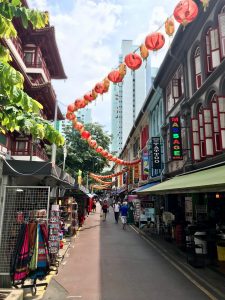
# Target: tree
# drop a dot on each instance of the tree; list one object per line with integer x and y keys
{"x": 18, "y": 111}
{"x": 80, "y": 156}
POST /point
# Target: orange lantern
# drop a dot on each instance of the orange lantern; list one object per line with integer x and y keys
{"x": 154, "y": 41}
{"x": 122, "y": 69}
{"x": 85, "y": 134}
{"x": 99, "y": 88}
{"x": 70, "y": 116}
{"x": 93, "y": 143}
{"x": 94, "y": 94}
{"x": 133, "y": 61}
{"x": 144, "y": 51}
{"x": 185, "y": 12}
{"x": 169, "y": 26}
{"x": 71, "y": 108}
{"x": 115, "y": 76}
{"x": 79, "y": 126}
{"x": 104, "y": 153}
{"x": 110, "y": 156}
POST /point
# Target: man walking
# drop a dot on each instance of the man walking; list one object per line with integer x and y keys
{"x": 124, "y": 212}
{"x": 116, "y": 208}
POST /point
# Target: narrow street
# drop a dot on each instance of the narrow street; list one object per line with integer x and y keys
{"x": 108, "y": 263}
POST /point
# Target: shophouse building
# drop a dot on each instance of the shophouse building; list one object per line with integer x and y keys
{"x": 28, "y": 179}
{"x": 187, "y": 104}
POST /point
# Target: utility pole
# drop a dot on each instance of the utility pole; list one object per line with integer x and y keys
{"x": 54, "y": 125}
{"x": 64, "y": 155}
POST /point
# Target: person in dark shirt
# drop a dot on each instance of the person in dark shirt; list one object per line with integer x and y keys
{"x": 124, "y": 212}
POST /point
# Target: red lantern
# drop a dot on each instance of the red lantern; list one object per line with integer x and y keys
{"x": 99, "y": 88}
{"x": 104, "y": 153}
{"x": 70, "y": 116}
{"x": 133, "y": 61}
{"x": 114, "y": 158}
{"x": 85, "y": 134}
{"x": 79, "y": 103}
{"x": 93, "y": 143}
{"x": 115, "y": 76}
{"x": 89, "y": 97}
{"x": 154, "y": 41}
{"x": 71, "y": 108}
{"x": 99, "y": 149}
{"x": 110, "y": 157}
{"x": 185, "y": 12}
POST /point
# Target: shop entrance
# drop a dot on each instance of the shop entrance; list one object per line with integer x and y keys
{"x": 21, "y": 204}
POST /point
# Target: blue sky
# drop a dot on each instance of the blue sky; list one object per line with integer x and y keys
{"x": 89, "y": 34}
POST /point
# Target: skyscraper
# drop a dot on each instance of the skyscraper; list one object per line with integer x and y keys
{"x": 128, "y": 98}
{"x": 84, "y": 116}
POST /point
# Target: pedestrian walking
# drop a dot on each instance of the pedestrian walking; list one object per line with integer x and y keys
{"x": 116, "y": 208}
{"x": 124, "y": 212}
{"x": 105, "y": 209}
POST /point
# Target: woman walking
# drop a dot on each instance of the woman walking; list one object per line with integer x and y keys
{"x": 104, "y": 209}
{"x": 116, "y": 208}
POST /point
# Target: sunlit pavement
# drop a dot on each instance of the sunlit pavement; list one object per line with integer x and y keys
{"x": 109, "y": 263}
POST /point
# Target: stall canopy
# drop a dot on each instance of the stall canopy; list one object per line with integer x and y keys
{"x": 208, "y": 180}
{"x": 146, "y": 186}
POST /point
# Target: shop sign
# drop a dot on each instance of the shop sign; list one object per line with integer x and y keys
{"x": 156, "y": 153}
{"x": 145, "y": 164}
{"x": 136, "y": 173}
{"x": 175, "y": 138}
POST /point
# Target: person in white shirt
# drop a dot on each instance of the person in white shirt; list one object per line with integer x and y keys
{"x": 116, "y": 208}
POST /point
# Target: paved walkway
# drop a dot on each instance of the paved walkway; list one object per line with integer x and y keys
{"x": 108, "y": 263}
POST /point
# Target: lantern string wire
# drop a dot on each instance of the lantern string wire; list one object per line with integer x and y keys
{"x": 122, "y": 162}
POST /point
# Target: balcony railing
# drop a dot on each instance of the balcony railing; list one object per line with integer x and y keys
{"x": 40, "y": 65}
{"x": 40, "y": 153}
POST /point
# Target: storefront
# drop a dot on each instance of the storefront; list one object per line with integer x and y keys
{"x": 194, "y": 209}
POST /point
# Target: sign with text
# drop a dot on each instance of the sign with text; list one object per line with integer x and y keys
{"x": 156, "y": 153}
{"x": 145, "y": 165}
{"x": 175, "y": 139}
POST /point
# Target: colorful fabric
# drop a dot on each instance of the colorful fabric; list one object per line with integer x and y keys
{"x": 34, "y": 258}
{"x": 43, "y": 258}
{"x": 19, "y": 265}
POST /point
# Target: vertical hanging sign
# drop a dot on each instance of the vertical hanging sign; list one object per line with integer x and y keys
{"x": 145, "y": 165}
{"x": 136, "y": 173}
{"x": 175, "y": 138}
{"x": 156, "y": 153}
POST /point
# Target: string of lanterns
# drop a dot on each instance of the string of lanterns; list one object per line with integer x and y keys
{"x": 184, "y": 13}
{"x": 108, "y": 176}
{"x": 101, "y": 181}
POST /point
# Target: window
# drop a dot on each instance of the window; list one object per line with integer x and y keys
{"x": 208, "y": 130}
{"x": 221, "y": 20}
{"x": 209, "y": 67}
{"x": 214, "y": 47}
{"x": 29, "y": 57}
{"x": 198, "y": 72}
{"x": 175, "y": 89}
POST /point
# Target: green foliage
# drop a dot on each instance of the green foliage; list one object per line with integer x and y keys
{"x": 80, "y": 156}
{"x": 18, "y": 111}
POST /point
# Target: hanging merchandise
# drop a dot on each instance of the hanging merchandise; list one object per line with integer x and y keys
{"x": 54, "y": 228}
{"x": 133, "y": 61}
{"x": 185, "y": 12}
{"x": 19, "y": 263}
{"x": 154, "y": 41}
